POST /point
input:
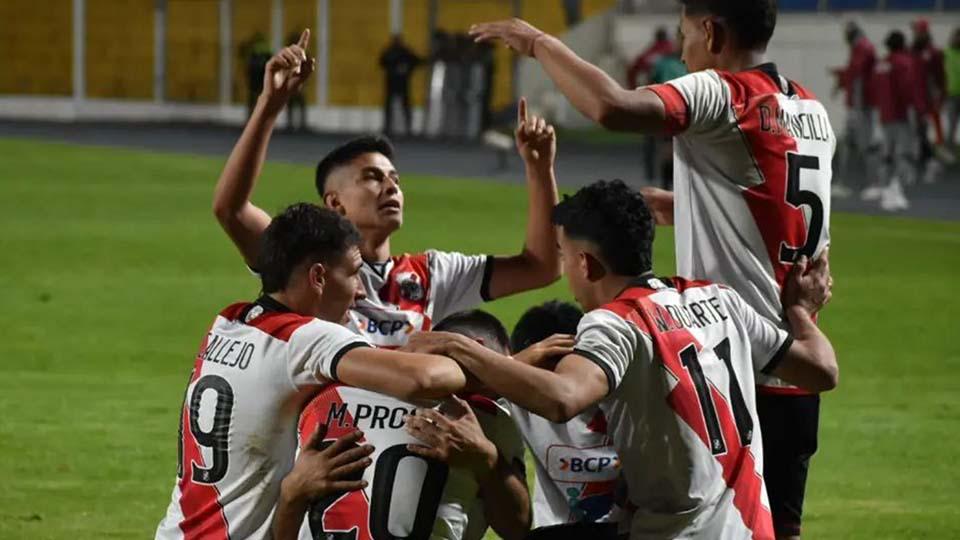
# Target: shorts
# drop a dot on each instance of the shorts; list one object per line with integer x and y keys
{"x": 789, "y": 425}
{"x": 575, "y": 531}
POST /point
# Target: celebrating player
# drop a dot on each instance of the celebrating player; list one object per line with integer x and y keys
{"x": 577, "y": 466}
{"x": 446, "y": 481}
{"x": 753, "y": 153}
{"x": 403, "y": 293}
{"x": 671, "y": 363}
{"x": 258, "y": 364}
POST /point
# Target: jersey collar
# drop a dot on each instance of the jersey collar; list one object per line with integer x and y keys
{"x": 770, "y": 70}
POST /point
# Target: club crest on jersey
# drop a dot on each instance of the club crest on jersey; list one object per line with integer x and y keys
{"x": 410, "y": 287}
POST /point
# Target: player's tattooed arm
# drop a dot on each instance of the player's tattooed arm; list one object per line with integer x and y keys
{"x": 404, "y": 375}
{"x": 455, "y": 437}
{"x": 810, "y": 362}
{"x": 557, "y": 395}
{"x": 538, "y": 264}
{"x": 594, "y": 93}
{"x": 244, "y": 222}
{"x": 319, "y": 472}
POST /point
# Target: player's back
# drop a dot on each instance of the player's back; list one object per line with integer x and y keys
{"x": 752, "y": 183}
{"x": 681, "y": 358}
{"x": 255, "y": 369}
{"x": 408, "y": 496}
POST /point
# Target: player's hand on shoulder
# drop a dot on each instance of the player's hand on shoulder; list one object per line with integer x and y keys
{"x": 325, "y": 468}
{"x": 288, "y": 70}
{"x": 453, "y": 437}
{"x": 809, "y": 285}
{"x": 536, "y": 139}
{"x": 548, "y": 351}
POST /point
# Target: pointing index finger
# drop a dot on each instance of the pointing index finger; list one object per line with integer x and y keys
{"x": 522, "y": 112}
{"x": 304, "y": 39}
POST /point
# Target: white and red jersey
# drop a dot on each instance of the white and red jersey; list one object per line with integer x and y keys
{"x": 410, "y": 293}
{"x": 577, "y": 467}
{"x": 255, "y": 369}
{"x": 680, "y": 358}
{"x": 752, "y": 173}
{"x": 406, "y": 496}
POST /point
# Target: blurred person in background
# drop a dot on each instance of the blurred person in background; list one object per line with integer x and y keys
{"x": 901, "y": 108}
{"x": 256, "y": 53}
{"x": 645, "y": 65}
{"x": 398, "y": 63}
{"x": 660, "y": 155}
{"x": 297, "y": 105}
{"x": 952, "y": 68}
{"x": 855, "y": 79}
{"x": 931, "y": 79}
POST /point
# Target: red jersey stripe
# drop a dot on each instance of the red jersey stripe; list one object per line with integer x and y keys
{"x": 677, "y": 116}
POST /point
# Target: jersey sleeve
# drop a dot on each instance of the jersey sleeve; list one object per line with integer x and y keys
{"x": 610, "y": 342}
{"x": 458, "y": 281}
{"x": 697, "y": 102}
{"x": 316, "y": 348}
{"x": 768, "y": 342}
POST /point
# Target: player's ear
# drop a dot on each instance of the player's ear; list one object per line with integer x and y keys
{"x": 714, "y": 35}
{"x": 592, "y": 268}
{"x": 317, "y": 275}
{"x": 332, "y": 201}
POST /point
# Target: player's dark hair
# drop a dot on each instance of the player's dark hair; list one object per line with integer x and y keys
{"x": 480, "y": 325}
{"x": 614, "y": 218}
{"x": 896, "y": 41}
{"x": 347, "y": 152}
{"x": 302, "y": 232}
{"x": 540, "y": 322}
{"x": 752, "y": 21}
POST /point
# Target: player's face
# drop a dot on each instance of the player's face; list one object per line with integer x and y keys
{"x": 341, "y": 286}
{"x": 693, "y": 37}
{"x": 367, "y": 192}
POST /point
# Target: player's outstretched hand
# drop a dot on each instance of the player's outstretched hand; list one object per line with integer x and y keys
{"x": 553, "y": 348}
{"x": 536, "y": 139}
{"x": 453, "y": 437}
{"x": 322, "y": 469}
{"x": 517, "y": 34}
{"x": 288, "y": 70}
{"x": 809, "y": 286}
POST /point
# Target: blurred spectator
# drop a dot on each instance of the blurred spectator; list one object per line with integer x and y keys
{"x": 573, "y": 11}
{"x": 952, "y": 61}
{"x": 643, "y": 63}
{"x": 931, "y": 80}
{"x": 901, "y": 107}
{"x": 658, "y": 151}
{"x": 398, "y": 63}
{"x": 256, "y": 52}
{"x": 297, "y": 104}
{"x": 856, "y": 81}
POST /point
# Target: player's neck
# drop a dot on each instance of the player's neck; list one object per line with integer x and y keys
{"x": 611, "y": 286}
{"x": 296, "y": 303}
{"x": 740, "y": 60}
{"x": 374, "y": 247}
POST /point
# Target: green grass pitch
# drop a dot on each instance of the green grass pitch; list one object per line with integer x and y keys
{"x": 111, "y": 267}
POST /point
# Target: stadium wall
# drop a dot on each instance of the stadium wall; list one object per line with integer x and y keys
{"x": 179, "y": 60}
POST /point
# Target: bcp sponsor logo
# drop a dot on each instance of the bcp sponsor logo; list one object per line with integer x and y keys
{"x": 385, "y": 327}
{"x": 572, "y": 464}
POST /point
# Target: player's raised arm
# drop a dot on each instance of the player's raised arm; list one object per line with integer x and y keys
{"x": 404, "y": 375}
{"x": 810, "y": 362}
{"x": 538, "y": 264}
{"x": 589, "y": 89}
{"x": 244, "y": 222}
{"x": 558, "y": 395}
